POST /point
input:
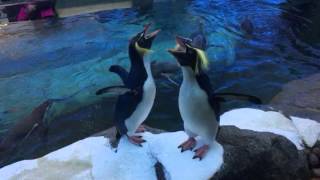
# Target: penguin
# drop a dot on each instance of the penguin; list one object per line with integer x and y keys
{"x": 247, "y": 27}
{"x": 37, "y": 121}
{"x": 26, "y": 126}
{"x": 198, "y": 38}
{"x": 133, "y": 107}
{"x": 199, "y": 105}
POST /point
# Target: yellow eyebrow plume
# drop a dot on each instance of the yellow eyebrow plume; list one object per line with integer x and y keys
{"x": 202, "y": 58}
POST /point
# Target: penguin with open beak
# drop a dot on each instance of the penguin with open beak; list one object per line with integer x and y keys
{"x": 199, "y": 105}
{"x": 139, "y": 90}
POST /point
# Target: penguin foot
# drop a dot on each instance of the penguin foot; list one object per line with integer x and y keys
{"x": 201, "y": 152}
{"x": 141, "y": 129}
{"x": 137, "y": 140}
{"x": 188, "y": 145}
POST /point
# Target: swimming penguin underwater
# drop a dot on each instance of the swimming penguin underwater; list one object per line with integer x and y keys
{"x": 133, "y": 107}
{"x": 199, "y": 106}
{"x": 36, "y": 121}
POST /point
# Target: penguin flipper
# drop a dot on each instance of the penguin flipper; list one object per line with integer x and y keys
{"x": 167, "y": 76}
{"x": 119, "y": 90}
{"x": 125, "y": 107}
{"x": 238, "y": 96}
{"x": 123, "y": 73}
{"x": 215, "y": 105}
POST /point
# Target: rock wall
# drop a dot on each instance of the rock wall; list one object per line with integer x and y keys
{"x": 300, "y": 98}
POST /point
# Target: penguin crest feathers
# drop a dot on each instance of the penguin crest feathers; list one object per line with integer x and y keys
{"x": 202, "y": 61}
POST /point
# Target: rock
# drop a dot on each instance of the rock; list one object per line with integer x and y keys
{"x": 247, "y": 155}
{"x": 252, "y": 155}
{"x": 316, "y": 172}
{"x": 307, "y": 151}
{"x": 316, "y": 151}
{"x": 255, "y": 155}
{"x": 300, "y": 98}
{"x": 313, "y": 160}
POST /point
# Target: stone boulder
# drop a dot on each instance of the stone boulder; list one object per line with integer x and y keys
{"x": 241, "y": 154}
{"x": 257, "y": 155}
{"x": 251, "y": 155}
{"x": 300, "y": 98}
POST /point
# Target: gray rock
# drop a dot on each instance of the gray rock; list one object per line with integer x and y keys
{"x": 315, "y": 178}
{"x": 300, "y": 98}
{"x": 252, "y": 155}
{"x": 316, "y": 151}
{"x": 313, "y": 160}
{"x": 316, "y": 172}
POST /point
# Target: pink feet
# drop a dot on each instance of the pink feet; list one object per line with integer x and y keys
{"x": 141, "y": 129}
{"x": 201, "y": 152}
{"x": 188, "y": 145}
{"x": 137, "y": 140}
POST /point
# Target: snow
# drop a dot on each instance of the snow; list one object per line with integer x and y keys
{"x": 94, "y": 158}
{"x": 308, "y": 129}
{"x": 298, "y": 130}
{"x": 181, "y": 165}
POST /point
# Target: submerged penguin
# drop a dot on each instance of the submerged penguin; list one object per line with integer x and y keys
{"x": 133, "y": 107}
{"x": 199, "y": 106}
{"x": 37, "y": 121}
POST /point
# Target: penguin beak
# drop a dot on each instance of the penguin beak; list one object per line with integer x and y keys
{"x": 181, "y": 46}
{"x": 150, "y": 36}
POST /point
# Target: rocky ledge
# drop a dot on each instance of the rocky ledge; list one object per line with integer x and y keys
{"x": 251, "y": 155}
{"x": 246, "y": 155}
{"x": 256, "y": 155}
{"x": 300, "y": 98}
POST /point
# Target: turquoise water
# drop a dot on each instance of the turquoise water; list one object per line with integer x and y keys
{"x": 54, "y": 59}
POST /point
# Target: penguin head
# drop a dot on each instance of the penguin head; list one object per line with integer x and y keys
{"x": 188, "y": 55}
{"x": 142, "y": 42}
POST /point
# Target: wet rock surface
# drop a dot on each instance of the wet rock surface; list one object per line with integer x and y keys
{"x": 314, "y": 160}
{"x": 252, "y": 155}
{"x": 300, "y": 98}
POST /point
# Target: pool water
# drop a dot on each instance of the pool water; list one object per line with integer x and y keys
{"x": 57, "y": 58}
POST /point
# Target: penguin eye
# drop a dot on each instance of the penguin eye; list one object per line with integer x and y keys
{"x": 141, "y": 35}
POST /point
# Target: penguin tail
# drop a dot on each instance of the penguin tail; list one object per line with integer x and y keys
{"x": 119, "y": 90}
{"x": 118, "y": 136}
{"x": 116, "y": 141}
{"x": 239, "y": 96}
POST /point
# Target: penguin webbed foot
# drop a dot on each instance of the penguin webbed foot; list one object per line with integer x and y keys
{"x": 188, "y": 145}
{"x": 141, "y": 129}
{"x": 136, "y": 140}
{"x": 201, "y": 152}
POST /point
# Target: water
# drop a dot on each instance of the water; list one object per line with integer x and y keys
{"x": 54, "y": 59}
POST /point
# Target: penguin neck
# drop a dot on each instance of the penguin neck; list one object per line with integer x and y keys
{"x": 188, "y": 74}
{"x": 138, "y": 63}
{"x": 136, "y": 58}
{"x": 147, "y": 66}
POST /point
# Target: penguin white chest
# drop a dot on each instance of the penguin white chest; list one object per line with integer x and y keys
{"x": 193, "y": 103}
{"x": 144, "y": 107}
{"x": 195, "y": 110}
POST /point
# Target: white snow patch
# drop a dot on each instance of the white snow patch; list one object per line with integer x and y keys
{"x": 297, "y": 130}
{"x": 181, "y": 165}
{"x": 130, "y": 162}
{"x": 14, "y": 169}
{"x": 94, "y": 158}
{"x": 308, "y": 129}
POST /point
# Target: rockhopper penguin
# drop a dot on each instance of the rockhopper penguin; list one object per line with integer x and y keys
{"x": 199, "y": 106}
{"x": 134, "y": 105}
